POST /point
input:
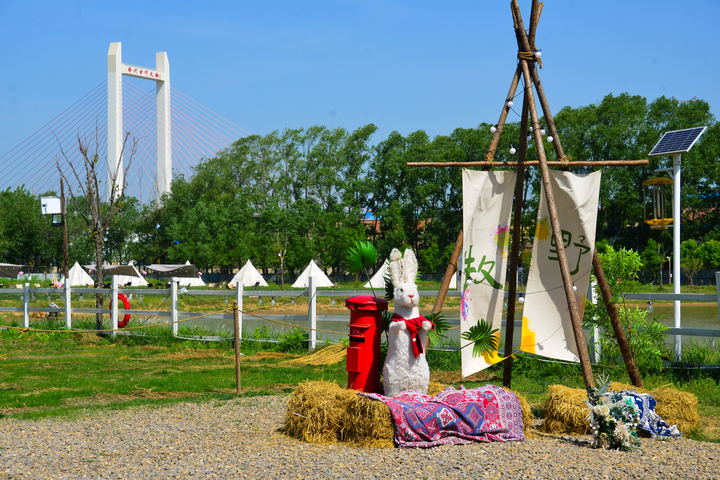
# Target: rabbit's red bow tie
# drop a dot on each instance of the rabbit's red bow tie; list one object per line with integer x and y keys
{"x": 413, "y": 325}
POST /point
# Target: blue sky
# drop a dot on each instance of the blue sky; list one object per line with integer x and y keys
{"x": 403, "y": 65}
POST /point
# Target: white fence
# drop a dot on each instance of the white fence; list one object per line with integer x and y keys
{"x": 175, "y": 316}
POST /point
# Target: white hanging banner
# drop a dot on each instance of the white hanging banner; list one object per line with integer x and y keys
{"x": 546, "y": 327}
{"x": 487, "y": 205}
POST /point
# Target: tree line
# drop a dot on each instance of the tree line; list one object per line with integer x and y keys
{"x": 300, "y": 194}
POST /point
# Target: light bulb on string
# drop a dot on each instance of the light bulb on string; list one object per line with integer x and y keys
{"x": 493, "y": 129}
{"x": 469, "y": 281}
{"x": 550, "y": 138}
{"x": 538, "y": 54}
{"x": 650, "y": 307}
{"x": 521, "y": 299}
{"x": 512, "y": 150}
{"x": 542, "y": 131}
{"x": 510, "y": 103}
{"x": 531, "y": 128}
{"x": 529, "y": 137}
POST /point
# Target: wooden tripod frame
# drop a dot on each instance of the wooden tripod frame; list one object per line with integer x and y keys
{"x": 526, "y": 68}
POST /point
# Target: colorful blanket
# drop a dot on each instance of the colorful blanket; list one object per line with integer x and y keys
{"x": 482, "y": 414}
{"x": 650, "y": 421}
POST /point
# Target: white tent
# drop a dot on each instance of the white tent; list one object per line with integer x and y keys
{"x": 378, "y": 280}
{"x": 248, "y": 276}
{"x": 136, "y": 280}
{"x": 312, "y": 270}
{"x": 79, "y": 277}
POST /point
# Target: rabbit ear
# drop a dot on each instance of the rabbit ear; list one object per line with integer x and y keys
{"x": 410, "y": 266}
{"x": 396, "y": 268}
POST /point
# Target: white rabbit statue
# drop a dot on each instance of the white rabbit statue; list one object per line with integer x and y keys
{"x": 405, "y": 365}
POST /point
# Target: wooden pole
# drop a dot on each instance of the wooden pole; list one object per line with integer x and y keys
{"x": 503, "y": 116}
{"x": 535, "y": 163}
{"x": 64, "y": 218}
{"x": 514, "y": 253}
{"x": 236, "y": 318}
{"x": 623, "y": 344}
{"x": 449, "y": 272}
{"x": 525, "y": 46}
{"x": 555, "y": 221}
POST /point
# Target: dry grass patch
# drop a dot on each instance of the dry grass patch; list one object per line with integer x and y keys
{"x": 138, "y": 394}
{"x": 268, "y": 356}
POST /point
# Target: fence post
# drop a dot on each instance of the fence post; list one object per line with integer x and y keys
{"x": 594, "y": 344}
{"x": 239, "y": 300}
{"x": 717, "y": 287}
{"x": 68, "y": 307}
{"x": 26, "y": 306}
{"x": 236, "y": 318}
{"x": 114, "y": 300}
{"x": 173, "y": 305}
{"x": 312, "y": 311}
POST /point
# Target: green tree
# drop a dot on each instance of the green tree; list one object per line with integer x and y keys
{"x": 690, "y": 262}
{"x": 709, "y": 254}
{"x": 645, "y": 336}
{"x": 653, "y": 259}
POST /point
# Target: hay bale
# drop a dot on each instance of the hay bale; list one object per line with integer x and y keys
{"x": 677, "y": 408}
{"x": 367, "y": 423}
{"x": 315, "y": 412}
{"x": 565, "y": 408}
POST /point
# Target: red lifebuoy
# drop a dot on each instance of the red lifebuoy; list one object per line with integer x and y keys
{"x": 126, "y": 304}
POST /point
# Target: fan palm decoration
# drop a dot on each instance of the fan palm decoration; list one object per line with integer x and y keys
{"x": 483, "y": 337}
{"x": 361, "y": 257}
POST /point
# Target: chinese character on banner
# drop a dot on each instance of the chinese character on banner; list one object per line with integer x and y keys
{"x": 566, "y": 239}
{"x": 486, "y": 273}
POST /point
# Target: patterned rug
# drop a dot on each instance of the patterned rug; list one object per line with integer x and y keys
{"x": 482, "y": 414}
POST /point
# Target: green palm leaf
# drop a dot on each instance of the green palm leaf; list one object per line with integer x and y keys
{"x": 483, "y": 337}
{"x": 362, "y": 255}
{"x": 441, "y": 326}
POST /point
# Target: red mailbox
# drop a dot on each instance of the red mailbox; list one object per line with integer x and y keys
{"x": 363, "y": 354}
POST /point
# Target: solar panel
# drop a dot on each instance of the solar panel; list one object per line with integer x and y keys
{"x": 677, "y": 141}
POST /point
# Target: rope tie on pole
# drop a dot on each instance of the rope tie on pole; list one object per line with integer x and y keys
{"x": 530, "y": 57}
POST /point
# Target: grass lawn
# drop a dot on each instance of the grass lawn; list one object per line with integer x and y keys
{"x": 60, "y": 374}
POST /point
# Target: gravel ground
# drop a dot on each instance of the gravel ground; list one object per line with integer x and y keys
{"x": 240, "y": 439}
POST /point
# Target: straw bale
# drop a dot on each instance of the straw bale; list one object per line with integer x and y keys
{"x": 677, "y": 408}
{"x": 565, "y": 409}
{"x": 368, "y": 423}
{"x": 327, "y": 356}
{"x": 316, "y": 411}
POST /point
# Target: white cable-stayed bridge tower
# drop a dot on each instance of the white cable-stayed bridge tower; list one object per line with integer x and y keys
{"x": 174, "y": 133}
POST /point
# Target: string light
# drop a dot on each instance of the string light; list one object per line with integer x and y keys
{"x": 542, "y": 131}
{"x": 493, "y": 129}
{"x": 650, "y": 307}
{"x": 549, "y": 138}
{"x": 521, "y": 299}
{"x": 510, "y": 103}
{"x": 512, "y": 150}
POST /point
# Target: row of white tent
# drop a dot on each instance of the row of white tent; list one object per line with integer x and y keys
{"x": 248, "y": 276}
